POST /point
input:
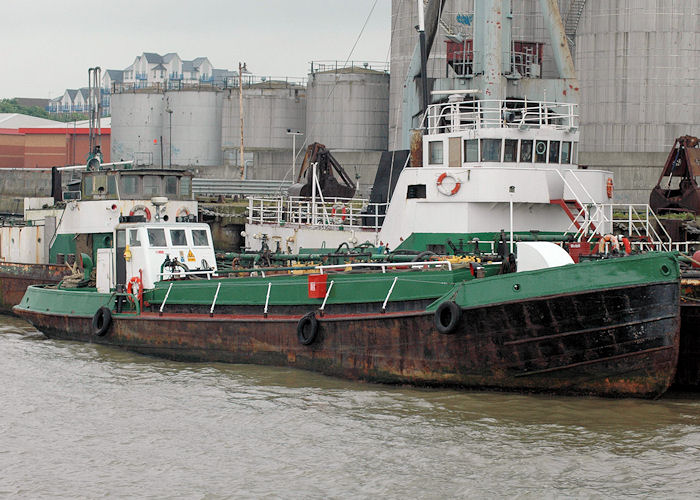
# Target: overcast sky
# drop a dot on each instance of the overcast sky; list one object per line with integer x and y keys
{"x": 48, "y": 45}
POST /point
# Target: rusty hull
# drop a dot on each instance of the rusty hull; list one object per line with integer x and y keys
{"x": 569, "y": 344}
{"x": 15, "y": 278}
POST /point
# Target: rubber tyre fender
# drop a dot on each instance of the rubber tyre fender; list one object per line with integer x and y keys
{"x": 307, "y": 329}
{"x": 101, "y": 321}
{"x": 447, "y": 317}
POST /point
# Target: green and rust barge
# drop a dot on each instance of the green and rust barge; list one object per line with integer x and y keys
{"x": 607, "y": 328}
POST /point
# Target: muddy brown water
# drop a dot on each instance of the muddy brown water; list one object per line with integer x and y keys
{"x": 86, "y": 421}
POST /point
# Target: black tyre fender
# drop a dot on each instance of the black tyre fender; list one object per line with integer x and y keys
{"x": 447, "y": 317}
{"x": 307, "y": 329}
{"x": 101, "y": 321}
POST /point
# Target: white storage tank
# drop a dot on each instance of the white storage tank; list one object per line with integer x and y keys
{"x": 195, "y": 127}
{"x": 137, "y": 126}
{"x": 348, "y": 107}
{"x": 639, "y": 68}
{"x": 270, "y": 108}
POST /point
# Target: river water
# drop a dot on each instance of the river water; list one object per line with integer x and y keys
{"x": 85, "y": 421}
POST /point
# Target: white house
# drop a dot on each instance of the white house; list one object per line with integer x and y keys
{"x": 148, "y": 70}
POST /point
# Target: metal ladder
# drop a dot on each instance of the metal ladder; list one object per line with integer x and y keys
{"x": 573, "y": 16}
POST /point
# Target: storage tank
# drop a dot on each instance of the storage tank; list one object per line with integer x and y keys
{"x": 639, "y": 67}
{"x": 137, "y": 126}
{"x": 195, "y": 127}
{"x": 348, "y": 106}
{"x": 269, "y": 109}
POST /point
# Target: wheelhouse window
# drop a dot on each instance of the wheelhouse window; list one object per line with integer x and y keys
{"x": 540, "y": 151}
{"x": 510, "y": 150}
{"x": 171, "y": 185}
{"x": 177, "y": 237}
{"x": 566, "y": 152}
{"x": 526, "y": 151}
{"x": 200, "y": 238}
{"x": 435, "y": 152}
{"x": 112, "y": 184}
{"x": 134, "y": 240}
{"x": 156, "y": 237}
{"x": 185, "y": 185}
{"x": 553, "y": 151}
{"x": 151, "y": 185}
{"x": 130, "y": 185}
{"x": 471, "y": 150}
{"x": 490, "y": 150}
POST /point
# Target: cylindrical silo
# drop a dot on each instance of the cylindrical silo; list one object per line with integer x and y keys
{"x": 137, "y": 125}
{"x": 270, "y": 109}
{"x": 193, "y": 119}
{"x": 348, "y": 108}
{"x": 639, "y": 69}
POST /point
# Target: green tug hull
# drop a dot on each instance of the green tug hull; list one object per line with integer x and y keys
{"x": 607, "y": 328}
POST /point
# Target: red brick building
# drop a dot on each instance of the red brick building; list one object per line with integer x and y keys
{"x": 46, "y": 145}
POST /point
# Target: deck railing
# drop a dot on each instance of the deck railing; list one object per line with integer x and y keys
{"x": 330, "y": 213}
{"x": 503, "y": 113}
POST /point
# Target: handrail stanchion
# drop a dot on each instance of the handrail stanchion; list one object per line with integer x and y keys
{"x": 328, "y": 292}
{"x": 267, "y": 299}
{"x": 391, "y": 289}
{"x": 167, "y": 294}
{"x": 211, "y": 311}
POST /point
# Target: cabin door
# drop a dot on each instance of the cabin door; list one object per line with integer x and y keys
{"x": 454, "y": 158}
{"x": 121, "y": 262}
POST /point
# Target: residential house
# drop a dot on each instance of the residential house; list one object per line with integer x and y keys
{"x": 148, "y": 70}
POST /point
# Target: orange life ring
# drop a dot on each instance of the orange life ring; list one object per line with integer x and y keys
{"x": 340, "y": 209}
{"x": 608, "y": 238}
{"x": 182, "y": 212}
{"x": 141, "y": 208}
{"x": 627, "y": 245}
{"x": 130, "y": 287}
{"x": 609, "y": 187}
{"x": 443, "y": 189}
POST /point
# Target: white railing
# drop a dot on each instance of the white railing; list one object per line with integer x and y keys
{"x": 329, "y": 213}
{"x": 505, "y": 113}
{"x": 642, "y": 221}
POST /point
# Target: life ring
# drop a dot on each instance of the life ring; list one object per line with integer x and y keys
{"x": 609, "y": 187}
{"x": 141, "y": 208}
{"x": 307, "y": 329}
{"x": 447, "y": 316}
{"x": 341, "y": 212}
{"x": 541, "y": 150}
{"x": 627, "y": 245}
{"x": 101, "y": 321}
{"x": 130, "y": 287}
{"x": 182, "y": 212}
{"x": 443, "y": 189}
{"x": 608, "y": 238}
